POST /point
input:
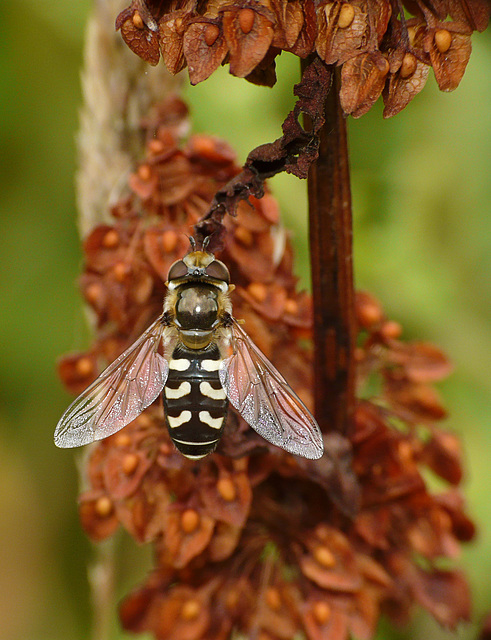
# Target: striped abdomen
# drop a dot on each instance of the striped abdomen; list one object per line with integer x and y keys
{"x": 195, "y": 403}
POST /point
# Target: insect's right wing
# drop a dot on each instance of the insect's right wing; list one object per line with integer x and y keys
{"x": 266, "y": 401}
{"x": 129, "y": 385}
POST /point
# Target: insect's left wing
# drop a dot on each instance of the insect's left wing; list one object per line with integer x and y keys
{"x": 266, "y": 401}
{"x": 129, "y": 385}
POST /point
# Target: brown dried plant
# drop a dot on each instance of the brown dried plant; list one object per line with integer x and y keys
{"x": 254, "y": 539}
{"x": 384, "y": 47}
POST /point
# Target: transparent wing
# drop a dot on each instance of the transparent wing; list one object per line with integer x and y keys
{"x": 129, "y": 385}
{"x": 266, "y": 401}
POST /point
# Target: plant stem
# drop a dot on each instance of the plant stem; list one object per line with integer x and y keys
{"x": 101, "y": 581}
{"x": 330, "y": 231}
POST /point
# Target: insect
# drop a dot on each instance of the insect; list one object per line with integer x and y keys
{"x": 197, "y": 355}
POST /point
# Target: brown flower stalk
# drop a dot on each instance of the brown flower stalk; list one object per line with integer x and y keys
{"x": 252, "y": 540}
{"x": 332, "y": 272}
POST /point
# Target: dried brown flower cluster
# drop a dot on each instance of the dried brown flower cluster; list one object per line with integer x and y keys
{"x": 380, "y": 50}
{"x": 254, "y": 539}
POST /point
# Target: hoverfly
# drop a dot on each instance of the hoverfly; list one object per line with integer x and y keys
{"x": 199, "y": 357}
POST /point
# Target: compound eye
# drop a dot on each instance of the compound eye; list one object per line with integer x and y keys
{"x": 218, "y": 270}
{"x": 178, "y": 270}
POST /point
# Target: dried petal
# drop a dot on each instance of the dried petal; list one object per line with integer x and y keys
{"x": 445, "y": 594}
{"x": 248, "y": 33}
{"x": 290, "y": 20}
{"x": 474, "y": 13}
{"x": 443, "y": 454}
{"x": 142, "y": 513}
{"x": 449, "y": 65}
{"x": 97, "y": 515}
{"x": 162, "y": 248}
{"x": 305, "y": 43}
{"x": 337, "y": 44}
{"x": 264, "y": 74}
{"x": 227, "y": 497}
{"x": 172, "y": 27}
{"x": 205, "y": 48}
{"x": 178, "y": 546}
{"x": 417, "y": 402}
{"x": 422, "y": 362}
{"x": 322, "y": 620}
{"x": 224, "y": 541}
{"x": 362, "y": 80}
{"x": 278, "y": 614}
{"x": 123, "y": 474}
{"x": 183, "y": 614}
{"x": 77, "y": 371}
{"x": 138, "y": 36}
{"x": 269, "y": 301}
{"x": 452, "y": 501}
{"x": 401, "y": 89}
{"x": 331, "y": 562}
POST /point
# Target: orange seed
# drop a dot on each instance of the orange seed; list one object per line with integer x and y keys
{"x": 258, "y": 291}
{"x": 244, "y": 236}
{"x": 408, "y": 66}
{"x": 211, "y": 34}
{"x": 103, "y": 506}
{"x": 169, "y": 241}
{"x": 189, "y": 520}
{"x": 291, "y": 307}
{"x": 190, "y": 610}
{"x": 137, "y": 20}
{"x": 111, "y": 239}
{"x": 443, "y": 40}
{"x": 246, "y": 20}
{"x": 359, "y": 354}
{"x": 123, "y": 440}
{"x": 391, "y": 329}
{"x": 84, "y": 367}
{"x": 156, "y": 146}
{"x": 273, "y": 598}
{"x": 324, "y": 557}
{"x": 165, "y": 448}
{"x": 232, "y": 599}
{"x": 322, "y": 612}
{"x": 226, "y": 489}
{"x": 144, "y": 172}
{"x": 93, "y": 292}
{"x": 346, "y": 16}
{"x": 120, "y": 270}
{"x": 369, "y": 313}
{"x": 130, "y": 463}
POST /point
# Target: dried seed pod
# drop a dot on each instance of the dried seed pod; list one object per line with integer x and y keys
{"x": 449, "y": 56}
{"x": 443, "y": 40}
{"x": 289, "y": 22}
{"x": 401, "y": 90}
{"x": 172, "y": 28}
{"x": 205, "y": 49}
{"x": 141, "y": 39}
{"x": 248, "y": 33}
{"x": 336, "y": 44}
{"x": 362, "y": 80}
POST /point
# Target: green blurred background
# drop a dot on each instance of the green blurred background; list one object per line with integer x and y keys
{"x": 421, "y": 191}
